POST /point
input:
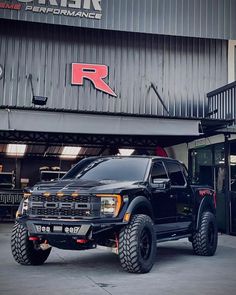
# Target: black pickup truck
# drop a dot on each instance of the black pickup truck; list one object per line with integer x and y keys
{"x": 129, "y": 203}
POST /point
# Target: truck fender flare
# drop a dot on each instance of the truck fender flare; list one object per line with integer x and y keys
{"x": 140, "y": 203}
{"x": 207, "y": 204}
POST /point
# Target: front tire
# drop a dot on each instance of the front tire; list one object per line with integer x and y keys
{"x": 137, "y": 245}
{"x": 23, "y": 250}
{"x": 205, "y": 240}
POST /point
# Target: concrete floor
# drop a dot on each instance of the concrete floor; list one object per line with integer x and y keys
{"x": 97, "y": 272}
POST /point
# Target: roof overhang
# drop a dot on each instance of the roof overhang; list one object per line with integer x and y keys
{"x": 89, "y": 129}
{"x": 215, "y": 126}
{"x": 227, "y": 130}
{"x": 85, "y": 123}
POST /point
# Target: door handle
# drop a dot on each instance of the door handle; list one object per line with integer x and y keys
{"x": 172, "y": 196}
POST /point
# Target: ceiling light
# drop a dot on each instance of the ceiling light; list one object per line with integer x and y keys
{"x": 126, "y": 152}
{"x": 70, "y": 152}
{"x": 16, "y": 149}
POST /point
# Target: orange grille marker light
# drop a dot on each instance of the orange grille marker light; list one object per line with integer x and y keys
{"x": 46, "y": 194}
{"x": 60, "y": 194}
{"x": 74, "y": 195}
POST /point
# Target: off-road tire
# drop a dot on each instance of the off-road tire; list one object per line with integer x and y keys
{"x": 23, "y": 250}
{"x": 137, "y": 245}
{"x": 206, "y": 238}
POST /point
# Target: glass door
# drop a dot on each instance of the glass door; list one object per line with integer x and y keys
{"x": 219, "y": 186}
{"x": 208, "y": 168}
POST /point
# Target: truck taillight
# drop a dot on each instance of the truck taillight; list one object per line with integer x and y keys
{"x": 214, "y": 196}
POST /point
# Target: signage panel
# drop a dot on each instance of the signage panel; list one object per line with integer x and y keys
{"x": 90, "y": 9}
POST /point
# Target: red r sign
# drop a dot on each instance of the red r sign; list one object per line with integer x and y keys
{"x": 93, "y": 72}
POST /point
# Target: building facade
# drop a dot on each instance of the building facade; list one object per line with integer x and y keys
{"x": 110, "y": 74}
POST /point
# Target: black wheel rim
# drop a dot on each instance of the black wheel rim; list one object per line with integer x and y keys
{"x": 145, "y": 244}
{"x": 211, "y": 234}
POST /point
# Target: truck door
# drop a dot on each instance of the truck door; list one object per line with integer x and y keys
{"x": 164, "y": 205}
{"x": 181, "y": 192}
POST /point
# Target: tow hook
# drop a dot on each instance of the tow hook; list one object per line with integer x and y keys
{"x": 116, "y": 248}
{"x": 40, "y": 244}
{"x": 44, "y": 246}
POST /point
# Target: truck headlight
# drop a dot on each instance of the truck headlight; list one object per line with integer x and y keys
{"x": 110, "y": 204}
{"x": 25, "y": 205}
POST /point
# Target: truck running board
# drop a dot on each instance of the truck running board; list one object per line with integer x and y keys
{"x": 173, "y": 238}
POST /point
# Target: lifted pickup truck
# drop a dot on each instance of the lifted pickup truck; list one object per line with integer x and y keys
{"x": 129, "y": 203}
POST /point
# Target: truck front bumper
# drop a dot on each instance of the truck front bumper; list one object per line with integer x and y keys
{"x": 66, "y": 234}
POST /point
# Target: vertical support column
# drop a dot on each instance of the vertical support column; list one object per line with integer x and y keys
{"x": 227, "y": 183}
{"x": 190, "y": 164}
{"x": 18, "y": 172}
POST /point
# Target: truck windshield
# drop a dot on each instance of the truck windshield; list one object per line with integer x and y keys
{"x": 114, "y": 169}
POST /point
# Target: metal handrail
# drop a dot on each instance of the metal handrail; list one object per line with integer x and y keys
{"x": 222, "y": 102}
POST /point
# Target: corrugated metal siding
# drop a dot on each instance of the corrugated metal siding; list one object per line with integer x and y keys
{"x": 194, "y": 18}
{"x": 183, "y": 69}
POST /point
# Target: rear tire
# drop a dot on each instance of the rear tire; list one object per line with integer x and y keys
{"x": 137, "y": 245}
{"x": 205, "y": 240}
{"x": 23, "y": 250}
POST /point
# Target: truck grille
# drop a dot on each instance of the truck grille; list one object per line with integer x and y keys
{"x": 64, "y": 207}
{"x": 54, "y": 198}
{"x": 59, "y": 213}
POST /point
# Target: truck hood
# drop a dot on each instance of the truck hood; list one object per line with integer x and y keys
{"x": 103, "y": 186}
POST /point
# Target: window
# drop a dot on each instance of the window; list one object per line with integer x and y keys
{"x": 175, "y": 174}
{"x": 112, "y": 169}
{"x": 158, "y": 171}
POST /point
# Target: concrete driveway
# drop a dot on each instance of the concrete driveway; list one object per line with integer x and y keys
{"x": 95, "y": 272}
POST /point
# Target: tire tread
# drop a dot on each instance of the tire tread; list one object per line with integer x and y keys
{"x": 128, "y": 254}
{"x": 200, "y": 238}
{"x": 23, "y": 250}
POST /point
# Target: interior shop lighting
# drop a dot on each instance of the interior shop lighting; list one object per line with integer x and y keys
{"x": 126, "y": 152}
{"x": 232, "y": 160}
{"x": 70, "y": 152}
{"x": 16, "y": 150}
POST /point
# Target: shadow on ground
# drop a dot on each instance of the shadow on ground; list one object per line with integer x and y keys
{"x": 106, "y": 261}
